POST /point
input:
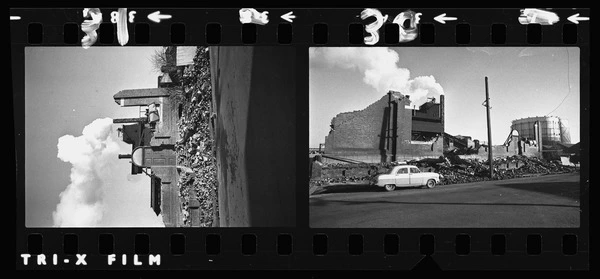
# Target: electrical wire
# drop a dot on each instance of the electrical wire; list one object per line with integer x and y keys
{"x": 568, "y": 82}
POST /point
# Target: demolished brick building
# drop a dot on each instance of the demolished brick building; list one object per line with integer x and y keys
{"x": 154, "y": 133}
{"x": 392, "y": 130}
{"x": 388, "y": 130}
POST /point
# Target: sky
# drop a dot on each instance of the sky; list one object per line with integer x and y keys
{"x": 68, "y": 91}
{"x": 523, "y": 82}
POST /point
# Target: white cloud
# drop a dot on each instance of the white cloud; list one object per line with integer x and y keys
{"x": 379, "y": 66}
{"x": 96, "y": 180}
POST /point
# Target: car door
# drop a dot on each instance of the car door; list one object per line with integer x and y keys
{"x": 415, "y": 176}
{"x": 402, "y": 177}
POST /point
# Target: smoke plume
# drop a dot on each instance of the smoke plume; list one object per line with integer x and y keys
{"x": 379, "y": 66}
{"x": 81, "y": 203}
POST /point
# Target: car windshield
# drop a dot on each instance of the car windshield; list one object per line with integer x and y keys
{"x": 415, "y": 170}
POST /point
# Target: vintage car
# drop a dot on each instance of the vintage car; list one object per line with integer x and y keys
{"x": 407, "y": 176}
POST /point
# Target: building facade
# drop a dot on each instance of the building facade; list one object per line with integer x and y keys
{"x": 152, "y": 136}
{"x": 154, "y": 132}
{"x": 388, "y": 130}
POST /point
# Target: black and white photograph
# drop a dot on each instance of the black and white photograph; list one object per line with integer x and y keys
{"x": 444, "y": 137}
{"x": 174, "y": 136}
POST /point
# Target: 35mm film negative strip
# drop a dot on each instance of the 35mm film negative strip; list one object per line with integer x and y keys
{"x": 301, "y": 138}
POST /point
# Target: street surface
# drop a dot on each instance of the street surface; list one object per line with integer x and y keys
{"x": 543, "y": 201}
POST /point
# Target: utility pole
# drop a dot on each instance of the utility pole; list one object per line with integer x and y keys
{"x": 489, "y": 129}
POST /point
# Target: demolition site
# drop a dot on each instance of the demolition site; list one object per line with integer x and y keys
{"x": 200, "y": 132}
{"x": 357, "y": 178}
{"x": 364, "y": 144}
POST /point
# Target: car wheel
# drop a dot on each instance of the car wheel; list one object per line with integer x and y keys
{"x": 390, "y": 187}
{"x": 430, "y": 183}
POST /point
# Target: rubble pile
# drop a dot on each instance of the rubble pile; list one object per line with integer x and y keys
{"x": 454, "y": 169}
{"x": 195, "y": 147}
{"x": 339, "y": 180}
{"x": 528, "y": 166}
{"x": 457, "y": 170}
{"x": 368, "y": 173}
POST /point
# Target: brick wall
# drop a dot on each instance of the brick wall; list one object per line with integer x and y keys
{"x": 358, "y": 129}
{"x": 170, "y": 201}
{"x": 351, "y": 170}
{"x": 357, "y": 135}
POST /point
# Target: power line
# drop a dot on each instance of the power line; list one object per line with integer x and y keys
{"x": 568, "y": 82}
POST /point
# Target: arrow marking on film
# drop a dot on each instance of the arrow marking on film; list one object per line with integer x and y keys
{"x": 443, "y": 18}
{"x": 156, "y": 16}
{"x": 576, "y": 18}
{"x": 289, "y": 16}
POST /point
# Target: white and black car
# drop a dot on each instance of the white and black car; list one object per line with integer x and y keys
{"x": 407, "y": 176}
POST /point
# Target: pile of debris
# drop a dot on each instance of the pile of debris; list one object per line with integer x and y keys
{"x": 339, "y": 180}
{"x": 368, "y": 174}
{"x": 195, "y": 149}
{"x": 454, "y": 169}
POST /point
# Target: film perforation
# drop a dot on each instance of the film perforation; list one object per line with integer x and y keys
{"x": 355, "y": 244}
{"x": 427, "y": 33}
{"x": 284, "y": 244}
{"x": 569, "y": 244}
{"x": 178, "y": 244}
{"x": 178, "y": 34}
{"x": 498, "y": 33}
{"x": 70, "y": 33}
{"x": 284, "y": 33}
{"x": 319, "y": 244}
{"x": 463, "y": 244}
{"x": 70, "y": 244}
{"x": 35, "y": 243}
{"x": 106, "y": 34}
{"x": 249, "y": 244}
{"x": 463, "y": 33}
{"x": 534, "y": 34}
{"x": 427, "y": 244}
{"x": 213, "y": 33}
{"x": 249, "y": 34}
{"x": 534, "y": 244}
{"x": 35, "y": 33}
{"x": 391, "y": 32}
{"x": 498, "y": 244}
{"x": 213, "y": 244}
{"x": 320, "y": 33}
{"x": 142, "y": 244}
{"x": 391, "y": 244}
{"x": 106, "y": 244}
{"x": 142, "y": 33}
{"x": 569, "y": 33}
{"x": 355, "y": 33}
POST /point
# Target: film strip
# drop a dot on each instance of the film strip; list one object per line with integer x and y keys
{"x": 261, "y": 58}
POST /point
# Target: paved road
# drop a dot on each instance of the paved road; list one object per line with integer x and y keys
{"x": 544, "y": 201}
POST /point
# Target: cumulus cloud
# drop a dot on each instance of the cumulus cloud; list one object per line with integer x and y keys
{"x": 99, "y": 195}
{"x": 380, "y": 69}
{"x": 81, "y": 203}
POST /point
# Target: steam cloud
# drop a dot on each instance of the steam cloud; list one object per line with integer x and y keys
{"x": 380, "y": 69}
{"x": 81, "y": 203}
